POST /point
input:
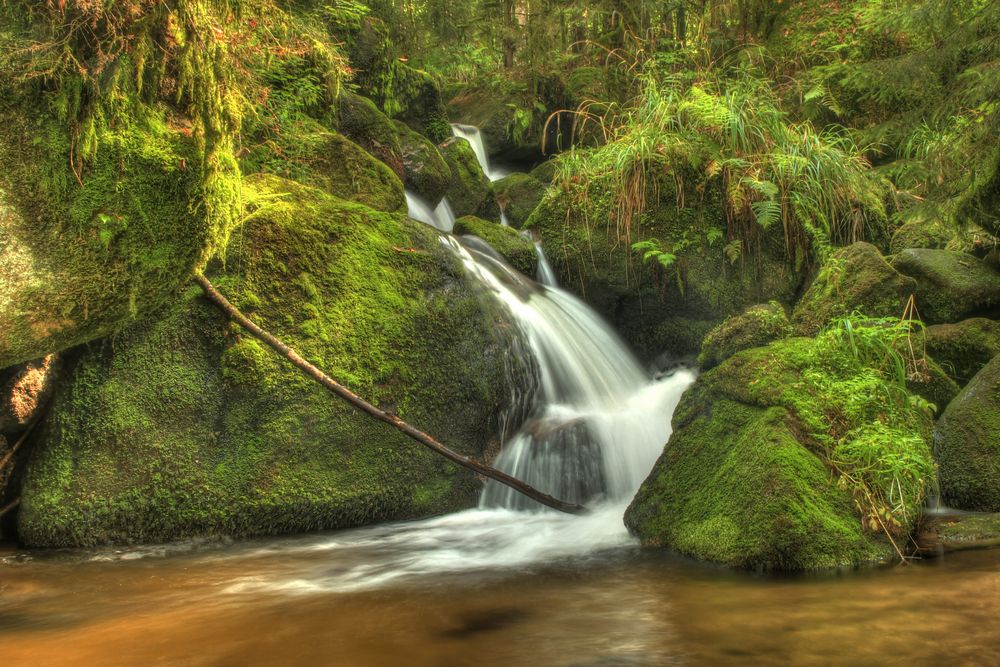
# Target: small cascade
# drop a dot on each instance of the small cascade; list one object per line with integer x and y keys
{"x": 440, "y": 217}
{"x": 546, "y": 275}
{"x": 472, "y": 134}
{"x": 503, "y": 218}
{"x": 598, "y": 422}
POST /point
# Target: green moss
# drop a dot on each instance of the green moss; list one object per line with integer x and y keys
{"x": 964, "y": 348}
{"x": 517, "y": 250}
{"x": 920, "y": 234}
{"x": 425, "y": 170}
{"x": 470, "y": 192}
{"x": 855, "y": 278}
{"x": 775, "y": 456}
{"x": 184, "y": 426}
{"x": 950, "y": 285}
{"x": 755, "y": 327}
{"x": 969, "y": 531}
{"x": 82, "y": 258}
{"x": 363, "y": 122}
{"x": 967, "y": 444}
{"x": 518, "y": 195}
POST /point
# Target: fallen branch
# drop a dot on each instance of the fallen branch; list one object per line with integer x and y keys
{"x": 9, "y": 506}
{"x": 9, "y": 456}
{"x": 343, "y": 392}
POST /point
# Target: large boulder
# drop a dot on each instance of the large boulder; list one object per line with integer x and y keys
{"x": 854, "y": 278}
{"x": 186, "y": 426}
{"x": 363, "y": 122}
{"x": 777, "y": 461}
{"x": 965, "y": 347}
{"x": 967, "y": 444}
{"x": 950, "y": 285}
{"x": 424, "y": 169}
{"x": 518, "y": 195}
{"x": 470, "y": 191}
{"x": 920, "y": 234}
{"x": 81, "y": 256}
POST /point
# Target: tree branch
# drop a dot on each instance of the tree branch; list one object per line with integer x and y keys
{"x": 346, "y": 394}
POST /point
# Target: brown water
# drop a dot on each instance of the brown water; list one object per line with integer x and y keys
{"x": 325, "y": 600}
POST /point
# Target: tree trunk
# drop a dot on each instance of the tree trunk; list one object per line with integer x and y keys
{"x": 364, "y": 406}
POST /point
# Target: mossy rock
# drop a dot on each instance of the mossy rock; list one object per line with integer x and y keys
{"x": 186, "y": 426}
{"x": 755, "y": 327}
{"x": 517, "y": 250}
{"x": 747, "y": 478}
{"x": 951, "y": 285}
{"x": 359, "y": 119}
{"x": 81, "y": 256}
{"x": 470, "y": 191}
{"x": 965, "y": 531}
{"x": 920, "y": 234}
{"x": 965, "y": 347}
{"x": 854, "y": 278}
{"x": 518, "y": 195}
{"x": 424, "y": 169}
{"x": 544, "y": 172}
{"x": 933, "y": 384}
{"x": 648, "y": 304}
{"x": 967, "y": 444}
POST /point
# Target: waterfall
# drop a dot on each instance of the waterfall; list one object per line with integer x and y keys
{"x": 440, "y": 217}
{"x": 472, "y": 134}
{"x": 546, "y": 275}
{"x": 598, "y": 422}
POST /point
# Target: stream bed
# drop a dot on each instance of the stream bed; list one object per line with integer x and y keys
{"x": 483, "y": 587}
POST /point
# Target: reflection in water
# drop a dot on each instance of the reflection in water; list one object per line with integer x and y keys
{"x": 236, "y": 604}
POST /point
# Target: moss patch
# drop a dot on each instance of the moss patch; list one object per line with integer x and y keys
{"x": 755, "y": 327}
{"x": 470, "y": 192}
{"x": 517, "y": 250}
{"x": 950, "y": 285}
{"x": 773, "y": 455}
{"x": 518, "y": 195}
{"x": 965, "y": 347}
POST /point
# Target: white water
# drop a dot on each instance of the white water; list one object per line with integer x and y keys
{"x": 472, "y": 134}
{"x": 546, "y": 276}
{"x": 597, "y": 425}
{"x": 440, "y": 217}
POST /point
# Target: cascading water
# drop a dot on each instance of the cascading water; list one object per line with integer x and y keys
{"x": 440, "y": 217}
{"x": 546, "y": 276}
{"x": 598, "y": 423}
{"x": 472, "y": 134}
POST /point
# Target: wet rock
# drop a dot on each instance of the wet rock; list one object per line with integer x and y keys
{"x": 424, "y": 169}
{"x": 517, "y": 250}
{"x": 967, "y": 444}
{"x": 950, "y": 285}
{"x": 518, "y": 195}
{"x": 958, "y": 532}
{"x": 856, "y": 277}
{"x": 963, "y": 348}
{"x": 470, "y": 191}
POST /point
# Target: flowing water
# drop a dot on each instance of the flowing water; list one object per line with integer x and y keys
{"x": 440, "y": 217}
{"x": 472, "y": 134}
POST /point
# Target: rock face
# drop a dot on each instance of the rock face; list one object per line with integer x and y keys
{"x": 183, "y": 426}
{"x": 963, "y": 348}
{"x": 950, "y": 285}
{"x": 755, "y": 327}
{"x": 853, "y": 278}
{"x": 967, "y": 444}
{"x": 470, "y": 192}
{"x": 424, "y": 169}
{"x": 657, "y": 308}
{"x": 920, "y": 234}
{"x": 82, "y": 259}
{"x": 770, "y": 451}
{"x": 518, "y": 195}
{"x": 518, "y": 251}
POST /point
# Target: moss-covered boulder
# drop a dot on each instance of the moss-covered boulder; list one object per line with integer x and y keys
{"x": 950, "y": 285}
{"x": 920, "y": 234}
{"x": 518, "y": 195}
{"x": 785, "y": 458}
{"x": 359, "y": 119}
{"x": 963, "y": 348}
{"x": 967, "y": 444}
{"x": 855, "y": 278}
{"x": 82, "y": 255}
{"x": 424, "y": 169}
{"x": 517, "y": 250}
{"x": 658, "y": 308}
{"x": 186, "y": 426}
{"x": 755, "y": 327}
{"x": 470, "y": 191}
